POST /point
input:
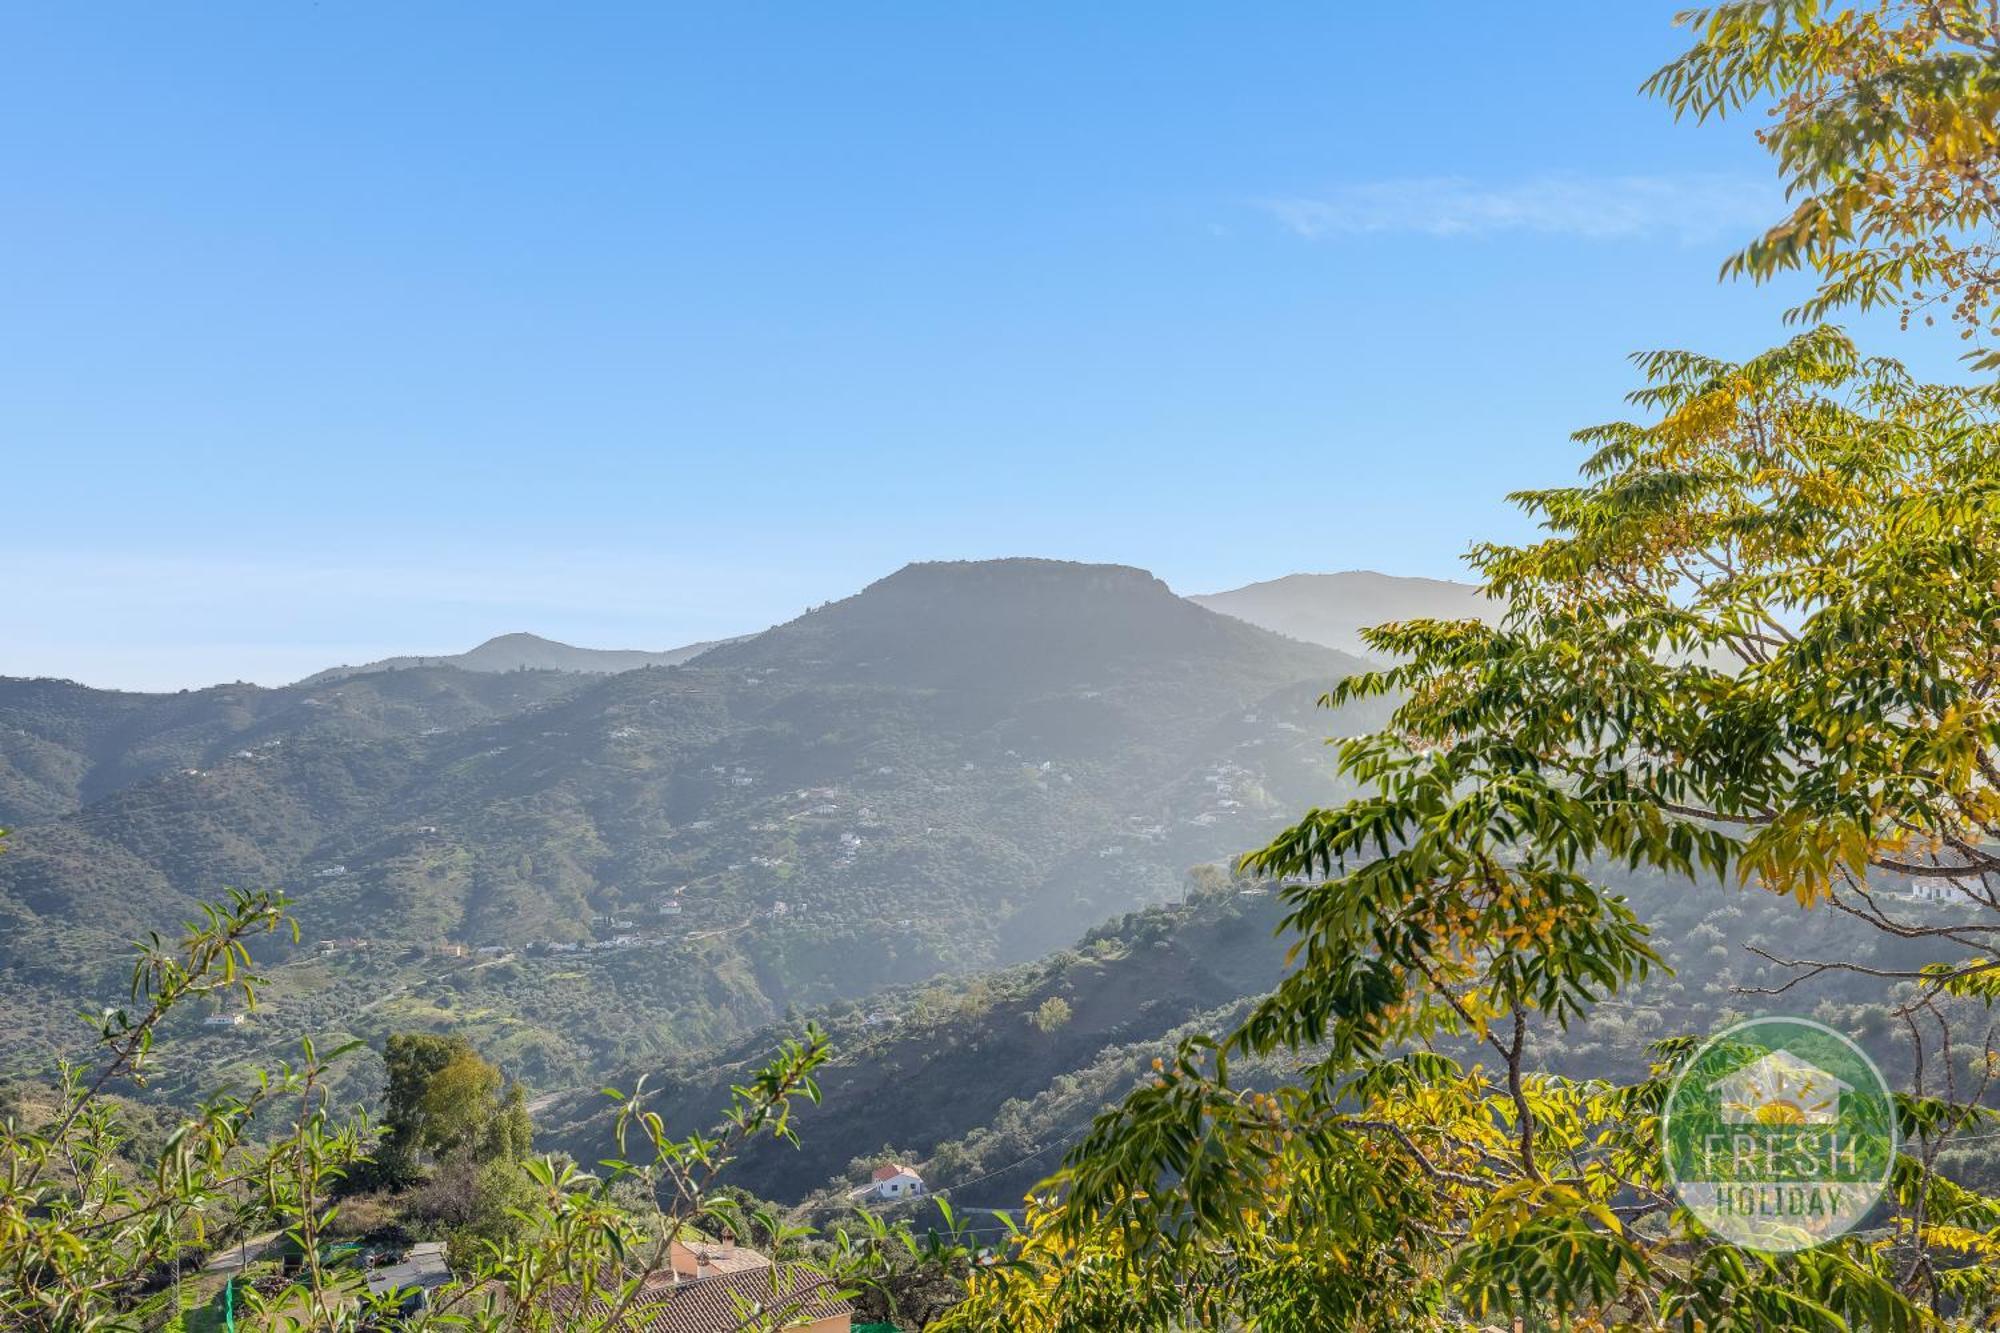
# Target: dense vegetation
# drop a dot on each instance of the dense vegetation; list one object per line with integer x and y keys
{"x": 99, "y": 1232}
{"x": 960, "y": 1077}
{"x": 920, "y": 1068}
{"x": 65, "y": 746}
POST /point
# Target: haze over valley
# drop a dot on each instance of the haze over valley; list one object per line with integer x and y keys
{"x": 915, "y": 815}
{"x": 962, "y": 766}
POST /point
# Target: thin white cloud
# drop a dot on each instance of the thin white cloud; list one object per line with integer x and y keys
{"x": 1684, "y": 207}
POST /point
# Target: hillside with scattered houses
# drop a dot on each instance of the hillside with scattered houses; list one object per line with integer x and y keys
{"x": 961, "y": 767}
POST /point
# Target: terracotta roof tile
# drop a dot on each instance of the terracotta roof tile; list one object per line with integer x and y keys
{"x": 720, "y": 1304}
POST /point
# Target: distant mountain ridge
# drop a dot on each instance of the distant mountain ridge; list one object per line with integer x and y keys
{"x": 1014, "y": 624}
{"x": 64, "y": 746}
{"x": 963, "y": 765}
{"x": 895, "y": 814}
{"x": 1332, "y": 609}
{"x": 528, "y": 652}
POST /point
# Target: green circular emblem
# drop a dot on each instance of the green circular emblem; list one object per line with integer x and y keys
{"x": 1779, "y": 1135}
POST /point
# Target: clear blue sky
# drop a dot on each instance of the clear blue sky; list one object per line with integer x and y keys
{"x": 334, "y": 330}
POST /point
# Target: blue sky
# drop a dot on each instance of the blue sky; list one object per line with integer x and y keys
{"x": 329, "y": 331}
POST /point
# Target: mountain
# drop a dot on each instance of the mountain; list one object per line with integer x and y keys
{"x": 958, "y": 1074}
{"x": 1332, "y": 609}
{"x": 895, "y": 814}
{"x": 64, "y": 746}
{"x": 960, "y": 767}
{"x": 527, "y": 652}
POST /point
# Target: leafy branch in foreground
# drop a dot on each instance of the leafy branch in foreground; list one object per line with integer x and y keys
{"x": 1885, "y": 121}
{"x": 91, "y": 1232}
{"x": 81, "y": 1231}
{"x": 1761, "y": 639}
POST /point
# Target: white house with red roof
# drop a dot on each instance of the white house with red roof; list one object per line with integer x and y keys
{"x": 892, "y": 1183}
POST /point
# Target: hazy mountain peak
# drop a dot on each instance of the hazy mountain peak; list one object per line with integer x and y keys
{"x": 1333, "y": 609}
{"x": 523, "y": 651}
{"x": 1020, "y": 570}
{"x": 1018, "y": 622}
{"x": 509, "y": 651}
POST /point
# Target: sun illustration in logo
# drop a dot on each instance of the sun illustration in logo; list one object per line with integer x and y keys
{"x": 1781, "y": 1113}
{"x": 1780, "y": 1090}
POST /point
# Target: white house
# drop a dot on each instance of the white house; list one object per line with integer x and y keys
{"x": 223, "y": 1021}
{"x": 892, "y": 1184}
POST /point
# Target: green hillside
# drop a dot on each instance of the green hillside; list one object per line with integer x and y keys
{"x": 963, "y": 766}
{"x": 927, "y": 1067}
{"x": 960, "y": 1078}
{"x": 874, "y": 815}
{"x": 64, "y": 745}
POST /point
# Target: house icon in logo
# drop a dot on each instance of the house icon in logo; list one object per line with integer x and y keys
{"x": 1780, "y": 1089}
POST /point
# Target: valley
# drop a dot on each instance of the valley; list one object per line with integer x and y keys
{"x": 917, "y": 817}
{"x": 961, "y": 767}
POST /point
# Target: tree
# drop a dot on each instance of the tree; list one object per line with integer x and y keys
{"x": 445, "y": 1100}
{"x": 1885, "y": 121}
{"x": 918, "y": 1281}
{"x": 1761, "y": 638}
{"x": 1050, "y": 1014}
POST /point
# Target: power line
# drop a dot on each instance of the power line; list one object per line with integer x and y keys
{"x": 1054, "y": 1143}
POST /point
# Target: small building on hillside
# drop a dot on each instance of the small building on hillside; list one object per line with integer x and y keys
{"x": 421, "y": 1271}
{"x": 693, "y": 1260}
{"x": 892, "y": 1183}
{"x": 223, "y": 1021}
{"x": 713, "y": 1287}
